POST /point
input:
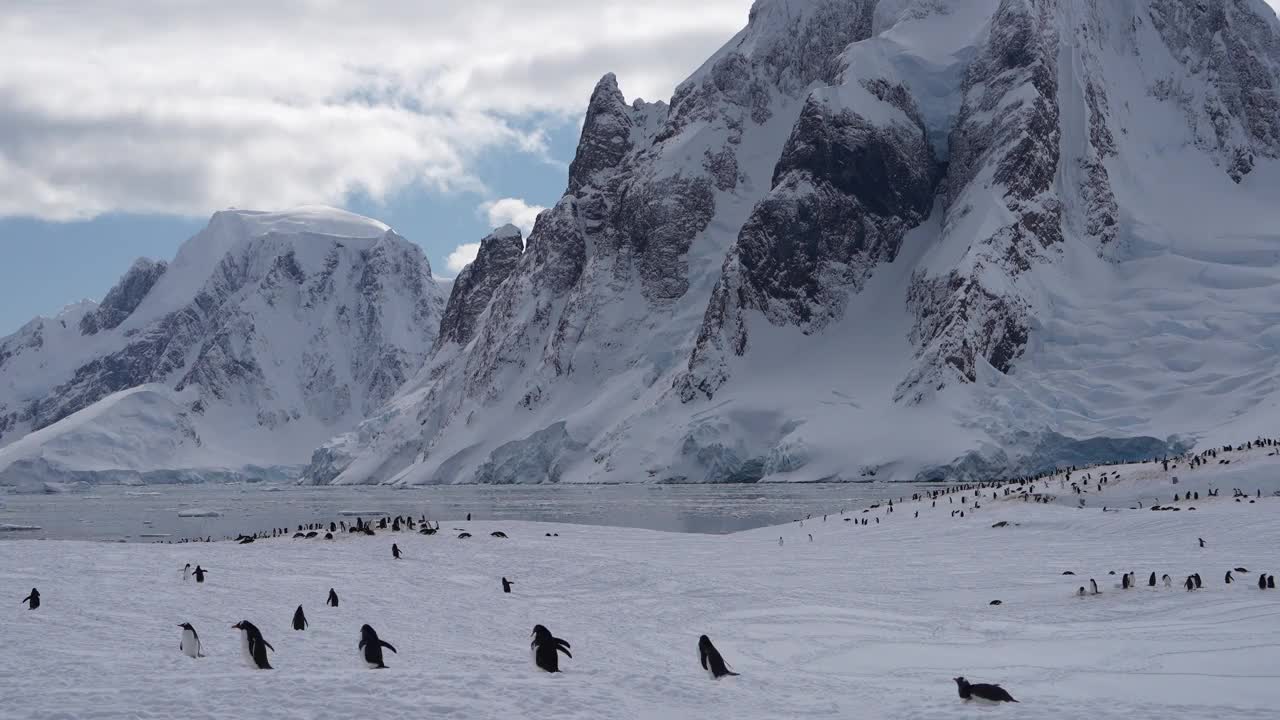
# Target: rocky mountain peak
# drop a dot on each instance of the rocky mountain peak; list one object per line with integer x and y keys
{"x": 474, "y": 287}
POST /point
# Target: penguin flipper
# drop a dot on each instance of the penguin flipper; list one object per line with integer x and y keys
{"x": 564, "y": 650}
{"x": 703, "y": 659}
{"x": 562, "y": 643}
{"x": 264, "y": 642}
{"x": 388, "y": 646}
{"x": 361, "y": 645}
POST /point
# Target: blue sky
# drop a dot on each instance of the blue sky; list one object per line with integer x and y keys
{"x": 122, "y": 132}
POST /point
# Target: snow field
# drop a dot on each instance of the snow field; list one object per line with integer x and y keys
{"x": 867, "y": 621}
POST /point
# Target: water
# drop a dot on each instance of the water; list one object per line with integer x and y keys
{"x": 144, "y": 514}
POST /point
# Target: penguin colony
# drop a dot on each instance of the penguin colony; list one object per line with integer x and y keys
{"x": 547, "y": 648}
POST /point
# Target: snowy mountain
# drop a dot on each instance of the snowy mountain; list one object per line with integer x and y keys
{"x": 893, "y": 238}
{"x": 266, "y": 334}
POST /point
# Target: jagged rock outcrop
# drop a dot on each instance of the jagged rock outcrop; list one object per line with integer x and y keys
{"x": 125, "y": 297}
{"x": 474, "y": 287}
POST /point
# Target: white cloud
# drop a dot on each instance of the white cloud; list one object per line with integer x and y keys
{"x": 462, "y": 256}
{"x": 181, "y": 107}
{"x": 511, "y": 210}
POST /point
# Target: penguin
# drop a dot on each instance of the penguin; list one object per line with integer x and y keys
{"x": 328, "y": 536}
{"x": 1201, "y": 541}
{"x": 395, "y": 551}
{"x": 1093, "y": 586}
{"x": 32, "y": 600}
{"x": 468, "y": 517}
{"x": 498, "y": 534}
{"x": 1168, "y": 581}
{"x": 464, "y": 535}
{"x": 711, "y": 660}
{"x": 506, "y": 585}
{"x": 199, "y": 572}
{"x": 300, "y": 619}
{"x": 371, "y": 647}
{"x": 1196, "y": 578}
{"x": 254, "y": 647}
{"x": 1228, "y": 579}
{"x": 546, "y": 648}
{"x": 1068, "y": 572}
{"x": 1080, "y": 592}
{"x": 1241, "y": 570}
{"x": 186, "y": 572}
{"x": 332, "y": 601}
{"x": 1124, "y": 582}
{"x": 982, "y": 692}
{"x": 1190, "y": 584}
{"x": 1271, "y": 582}
{"x": 1262, "y": 581}
{"x": 779, "y": 541}
{"x": 1151, "y": 581}
{"x": 190, "y": 643}
{"x": 996, "y": 602}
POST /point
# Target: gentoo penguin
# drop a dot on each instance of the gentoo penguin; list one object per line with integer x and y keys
{"x": 1228, "y": 578}
{"x": 1168, "y": 581}
{"x": 1190, "y": 584}
{"x": 1080, "y": 592}
{"x": 186, "y": 572}
{"x": 1262, "y": 581}
{"x": 1093, "y": 586}
{"x": 506, "y": 585}
{"x": 464, "y": 535}
{"x": 498, "y": 534}
{"x": 299, "y": 619}
{"x": 190, "y": 643}
{"x": 395, "y": 551}
{"x": 545, "y": 648}
{"x": 33, "y": 600}
{"x": 711, "y": 660}
{"x": 1201, "y": 541}
{"x": 1271, "y": 582}
{"x": 332, "y": 601}
{"x": 1124, "y": 582}
{"x": 1068, "y": 572}
{"x": 199, "y": 572}
{"x": 982, "y": 692}
{"x": 1196, "y": 578}
{"x": 779, "y": 541}
{"x": 1151, "y": 581}
{"x": 254, "y": 647}
{"x": 468, "y": 517}
{"x": 1241, "y": 570}
{"x": 371, "y": 647}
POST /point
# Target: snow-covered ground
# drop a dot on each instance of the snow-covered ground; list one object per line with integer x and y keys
{"x": 861, "y": 622}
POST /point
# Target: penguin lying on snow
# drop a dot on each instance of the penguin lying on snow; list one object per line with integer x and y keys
{"x": 32, "y": 600}
{"x": 546, "y": 648}
{"x": 498, "y": 534}
{"x": 190, "y": 643}
{"x": 711, "y": 660}
{"x": 371, "y": 647}
{"x": 982, "y": 692}
{"x": 254, "y": 647}
{"x": 299, "y": 619}
{"x": 1228, "y": 578}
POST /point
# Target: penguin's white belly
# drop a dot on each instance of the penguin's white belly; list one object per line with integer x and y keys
{"x": 245, "y": 651}
{"x": 982, "y": 701}
{"x": 190, "y": 645}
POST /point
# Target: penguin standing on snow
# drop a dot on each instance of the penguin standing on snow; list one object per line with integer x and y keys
{"x": 371, "y": 647}
{"x": 1124, "y": 582}
{"x": 1196, "y": 578}
{"x": 300, "y": 619}
{"x": 1201, "y": 541}
{"x": 253, "y": 646}
{"x": 1228, "y": 578}
{"x": 395, "y": 551}
{"x": 1271, "y": 582}
{"x": 1190, "y": 584}
{"x": 190, "y": 643}
{"x": 1262, "y": 581}
{"x": 186, "y": 572}
{"x": 982, "y": 692}
{"x": 333, "y": 599}
{"x": 546, "y": 649}
{"x": 1151, "y": 581}
{"x": 506, "y": 585}
{"x": 199, "y": 572}
{"x": 33, "y": 600}
{"x": 1093, "y": 586}
{"x": 711, "y": 660}
{"x": 1168, "y": 581}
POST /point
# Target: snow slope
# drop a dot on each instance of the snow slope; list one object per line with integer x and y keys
{"x": 267, "y": 333}
{"x": 864, "y": 621}
{"x": 1030, "y": 231}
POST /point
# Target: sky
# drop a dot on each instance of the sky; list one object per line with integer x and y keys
{"x": 124, "y": 124}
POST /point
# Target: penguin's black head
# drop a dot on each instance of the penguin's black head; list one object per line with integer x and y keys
{"x": 366, "y": 631}
{"x": 540, "y": 632}
{"x": 240, "y": 625}
{"x": 185, "y": 626}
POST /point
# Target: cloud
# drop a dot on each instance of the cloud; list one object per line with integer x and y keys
{"x": 511, "y": 210}
{"x": 462, "y": 256}
{"x": 184, "y": 108}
